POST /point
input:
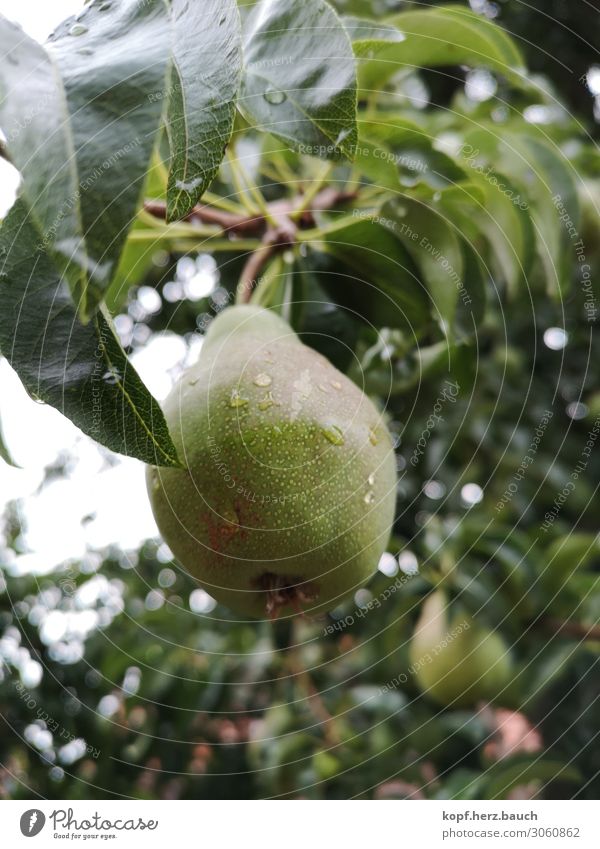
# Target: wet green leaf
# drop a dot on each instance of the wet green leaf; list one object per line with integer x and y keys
{"x": 81, "y": 370}
{"x": 205, "y": 78}
{"x": 299, "y": 78}
{"x": 450, "y": 35}
{"x": 378, "y": 279}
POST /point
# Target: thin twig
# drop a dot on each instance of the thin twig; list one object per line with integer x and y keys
{"x": 328, "y": 198}
{"x": 227, "y": 221}
{"x": 276, "y": 228}
{"x": 573, "y": 629}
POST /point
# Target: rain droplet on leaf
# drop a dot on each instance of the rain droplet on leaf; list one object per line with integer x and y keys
{"x": 274, "y": 96}
{"x": 78, "y": 29}
{"x": 342, "y": 136}
{"x": 111, "y": 377}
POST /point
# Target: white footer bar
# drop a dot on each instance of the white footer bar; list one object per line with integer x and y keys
{"x": 301, "y": 824}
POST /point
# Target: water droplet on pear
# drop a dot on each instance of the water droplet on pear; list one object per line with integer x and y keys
{"x": 333, "y": 434}
{"x": 262, "y": 380}
{"x": 236, "y": 399}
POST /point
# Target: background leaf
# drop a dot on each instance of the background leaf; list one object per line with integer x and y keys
{"x": 500, "y": 778}
{"x": 449, "y": 35}
{"x": 299, "y": 78}
{"x": 378, "y": 280}
{"x": 541, "y": 175}
{"x": 435, "y": 248}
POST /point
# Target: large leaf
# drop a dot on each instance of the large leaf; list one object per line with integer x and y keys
{"x": 436, "y": 250}
{"x": 299, "y": 80}
{"x": 205, "y": 77}
{"x": 378, "y": 280}
{"x": 40, "y": 144}
{"x": 393, "y": 152}
{"x": 79, "y": 369}
{"x": 84, "y": 145}
{"x": 448, "y": 35}
{"x": 499, "y": 211}
{"x": 113, "y": 62}
{"x": 546, "y": 183}
{"x": 473, "y": 298}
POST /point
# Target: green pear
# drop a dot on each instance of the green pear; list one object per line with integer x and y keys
{"x": 459, "y": 662}
{"x": 288, "y": 495}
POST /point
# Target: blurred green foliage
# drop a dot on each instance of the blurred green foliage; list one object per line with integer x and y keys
{"x": 162, "y": 695}
{"x": 202, "y": 706}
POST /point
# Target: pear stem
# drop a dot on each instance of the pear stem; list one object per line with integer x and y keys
{"x": 251, "y": 271}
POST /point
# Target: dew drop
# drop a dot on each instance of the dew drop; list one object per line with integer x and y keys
{"x": 236, "y": 399}
{"x": 85, "y": 51}
{"x": 323, "y": 388}
{"x": 262, "y": 380}
{"x": 193, "y": 381}
{"x": 334, "y": 434}
{"x": 336, "y": 384}
{"x": 78, "y": 29}
{"x": 274, "y": 96}
{"x": 369, "y": 497}
{"x": 111, "y": 377}
{"x": 371, "y": 480}
{"x": 373, "y": 439}
{"x": 342, "y": 136}
{"x": 104, "y": 7}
